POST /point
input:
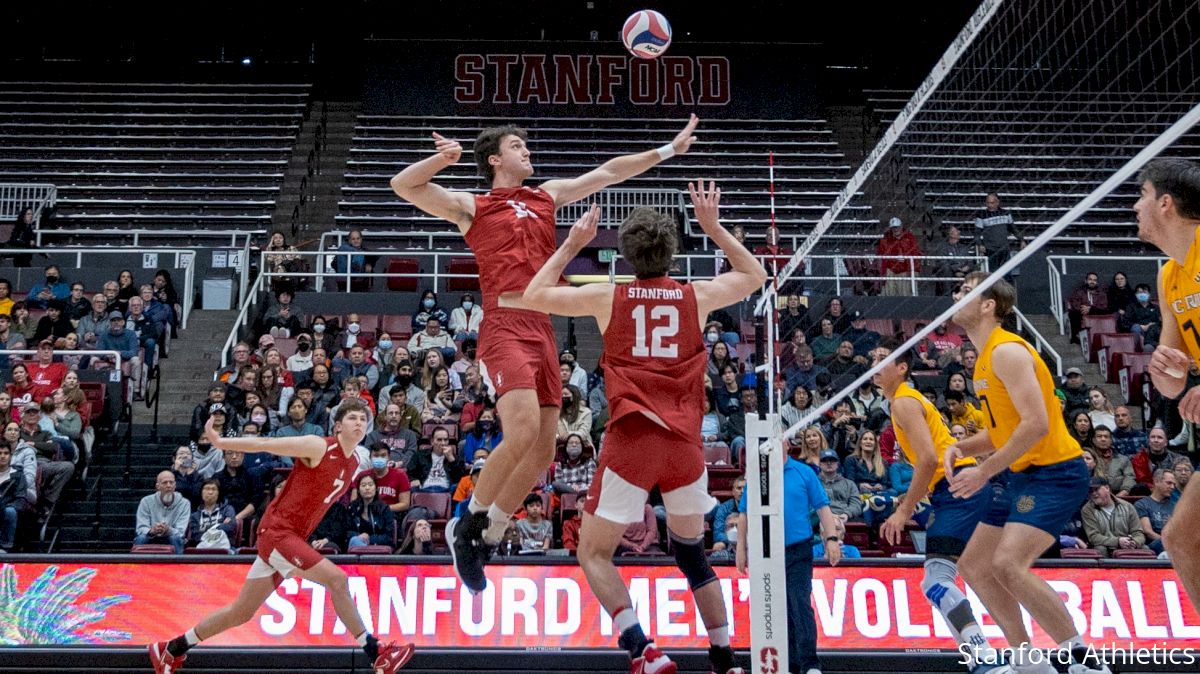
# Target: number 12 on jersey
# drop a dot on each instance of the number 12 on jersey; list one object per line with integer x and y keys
{"x": 666, "y": 320}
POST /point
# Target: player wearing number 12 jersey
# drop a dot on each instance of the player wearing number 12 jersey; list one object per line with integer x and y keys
{"x": 1168, "y": 215}
{"x": 323, "y": 471}
{"x": 654, "y": 361}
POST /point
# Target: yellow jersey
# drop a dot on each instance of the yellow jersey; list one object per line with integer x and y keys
{"x": 1181, "y": 292}
{"x": 937, "y": 428}
{"x": 1001, "y": 415}
{"x": 969, "y": 414}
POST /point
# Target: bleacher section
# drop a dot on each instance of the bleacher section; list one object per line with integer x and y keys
{"x": 1028, "y": 149}
{"x": 178, "y": 156}
{"x": 809, "y": 167}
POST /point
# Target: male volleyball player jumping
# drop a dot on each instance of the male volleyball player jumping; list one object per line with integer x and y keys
{"x": 654, "y": 359}
{"x": 1026, "y": 432}
{"x": 511, "y": 231}
{"x": 1168, "y": 215}
{"x": 923, "y": 437}
{"x": 322, "y": 473}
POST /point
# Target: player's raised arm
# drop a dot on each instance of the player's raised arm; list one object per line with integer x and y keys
{"x": 301, "y": 447}
{"x": 619, "y": 169}
{"x": 543, "y": 292}
{"x": 413, "y": 184}
{"x": 747, "y": 274}
{"x": 1169, "y": 365}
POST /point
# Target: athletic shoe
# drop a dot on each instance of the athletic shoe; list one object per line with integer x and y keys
{"x": 469, "y": 550}
{"x": 392, "y": 656}
{"x": 1001, "y": 668}
{"x": 1093, "y": 668}
{"x": 653, "y": 661}
{"x": 163, "y": 661}
{"x": 814, "y": 670}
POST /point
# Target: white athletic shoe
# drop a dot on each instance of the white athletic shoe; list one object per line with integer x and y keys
{"x": 814, "y": 670}
{"x": 1077, "y": 668}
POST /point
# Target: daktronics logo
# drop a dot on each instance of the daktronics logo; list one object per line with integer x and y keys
{"x": 591, "y": 79}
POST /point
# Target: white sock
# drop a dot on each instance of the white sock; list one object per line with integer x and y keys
{"x": 719, "y": 636}
{"x": 474, "y": 506}
{"x": 190, "y": 637}
{"x": 497, "y": 525}
{"x": 979, "y": 649}
{"x": 362, "y": 638}
{"x": 624, "y": 619}
{"x": 1022, "y": 658}
{"x": 1074, "y": 642}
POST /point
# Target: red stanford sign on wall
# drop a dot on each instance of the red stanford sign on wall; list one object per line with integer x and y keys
{"x": 591, "y": 79}
{"x": 550, "y": 606}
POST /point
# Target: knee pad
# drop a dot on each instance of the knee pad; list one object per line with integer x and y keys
{"x": 690, "y": 557}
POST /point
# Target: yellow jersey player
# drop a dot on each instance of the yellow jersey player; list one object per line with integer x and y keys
{"x": 1024, "y": 431}
{"x": 1168, "y": 216}
{"x": 923, "y": 437}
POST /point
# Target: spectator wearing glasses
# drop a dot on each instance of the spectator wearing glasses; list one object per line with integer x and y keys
{"x": 78, "y": 305}
{"x": 94, "y": 323}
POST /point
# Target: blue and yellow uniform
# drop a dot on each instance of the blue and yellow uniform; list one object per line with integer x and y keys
{"x": 953, "y": 519}
{"x": 1050, "y": 480}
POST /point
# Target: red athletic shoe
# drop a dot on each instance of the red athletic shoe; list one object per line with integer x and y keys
{"x": 392, "y": 657}
{"x": 653, "y": 661}
{"x": 164, "y": 662}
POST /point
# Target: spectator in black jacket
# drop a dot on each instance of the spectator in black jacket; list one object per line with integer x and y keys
{"x": 239, "y": 486}
{"x": 216, "y": 395}
{"x": 333, "y": 529}
{"x": 22, "y": 236}
{"x": 436, "y": 470}
{"x": 212, "y": 513}
{"x": 372, "y": 522}
{"x": 1142, "y": 318}
{"x": 13, "y": 500}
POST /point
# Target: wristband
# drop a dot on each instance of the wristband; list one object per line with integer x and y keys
{"x": 666, "y": 152}
{"x": 834, "y": 539}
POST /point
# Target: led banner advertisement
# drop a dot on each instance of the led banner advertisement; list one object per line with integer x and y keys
{"x": 547, "y": 606}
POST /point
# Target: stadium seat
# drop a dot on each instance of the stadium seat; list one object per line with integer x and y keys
{"x": 439, "y": 503}
{"x": 716, "y": 455}
{"x": 152, "y": 549}
{"x": 1135, "y": 554}
{"x": 402, "y": 274}
{"x": 1076, "y": 553}
{"x": 858, "y": 535}
{"x": 1109, "y": 344}
{"x": 1090, "y": 328}
{"x": 396, "y": 325}
{"x": 373, "y": 550}
{"x": 463, "y": 265}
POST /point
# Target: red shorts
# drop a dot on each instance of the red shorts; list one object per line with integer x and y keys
{"x": 639, "y": 455}
{"x": 517, "y": 351}
{"x": 283, "y": 553}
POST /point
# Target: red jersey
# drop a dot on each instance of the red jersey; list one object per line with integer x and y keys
{"x": 654, "y": 356}
{"x": 45, "y": 378}
{"x": 512, "y": 236}
{"x": 309, "y": 492}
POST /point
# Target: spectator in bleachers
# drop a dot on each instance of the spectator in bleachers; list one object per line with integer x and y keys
{"x": 216, "y": 396}
{"x": 392, "y": 432}
{"x": 73, "y": 362}
{"x": 410, "y": 416}
{"x": 805, "y": 372}
{"x": 1089, "y": 299}
{"x": 1120, "y": 294}
{"x": 385, "y": 349}
{"x": 825, "y": 344}
{"x": 77, "y": 305}
{"x": 438, "y": 469}
{"x": 1100, "y": 409}
{"x": 261, "y": 416}
{"x": 710, "y": 425}
{"x": 536, "y": 532}
{"x": 9, "y": 339}
{"x": 579, "y": 377}
{"x": 387, "y": 369}
{"x": 720, "y": 516}
{"x": 1111, "y": 523}
{"x": 212, "y": 521}
{"x": 24, "y": 459}
{"x": 95, "y": 322}
{"x": 844, "y": 498}
{"x": 844, "y": 362}
{"x": 798, "y": 403}
{"x": 794, "y": 316}
{"x": 13, "y": 498}
{"x": 282, "y": 259}
{"x": 787, "y": 354}
{"x": 473, "y": 388}
{"x": 125, "y": 290}
{"x": 241, "y": 489}
{"x": 864, "y": 340}
{"x": 1183, "y": 470}
{"x": 993, "y": 226}
{"x": 353, "y": 388}
{"x": 23, "y": 236}
{"x": 1115, "y": 468}
{"x": 21, "y": 321}
{"x": 808, "y": 451}
{"x": 576, "y": 466}
{"x": 841, "y": 428}
{"x": 359, "y": 262}
{"x": 20, "y": 389}
{"x": 1090, "y": 460}
{"x": 1076, "y": 391}
{"x": 1142, "y": 318}
{"x": 66, "y": 448}
{"x": 40, "y": 294}
{"x": 63, "y": 415}
{"x": 164, "y": 291}
{"x": 110, "y": 297}
{"x": 303, "y": 358}
{"x": 296, "y": 423}
{"x": 432, "y": 337}
{"x": 353, "y": 335}
{"x": 947, "y": 345}
{"x": 733, "y": 431}
{"x": 45, "y": 375}
{"x": 274, "y": 393}
{"x": 404, "y": 379}
{"x": 324, "y": 335}
{"x": 148, "y": 331}
{"x": 965, "y": 365}
{"x": 1081, "y": 428}
{"x": 485, "y": 434}
{"x": 6, "y": 300}
{"x": 283, "y": 318}
{"x": 187, "y": 475}
{"x": 265, "y": 343}
{"x": 962, "y": 412}
{"x": 470, "y": 347}
{"x": 357, "y": 365}
{"x": 868, "y": 404}
{"x": 126, "y": 344}
{"x": 574, "y": 417}
{"x": 160, "y": 314}
{"x": 771, "y": 254}
{"x": 865, "y": 466}
{"x": 898, "y": 241}
{"x": 1155, "y": 510}
{"x": 571, "y": 526}
{"x": 1152, "y": 457}
{"x": 419, "y": 540}
{"x": 443, "y": 405}
{"x": 162, "y": 517}
{"x": 236, "y": 390}
{"x": 1127, "y": 439}
{"x": 465, "y": 319}
{"x": 726, "y": 326}
{"x": 211, "y": 461}
{"x": 466, "y": 486}
{"x": 372, "y": 522}
{"x": 951, "y": 246}
{"x": 318, "y": 414}
{"x": 959, "y": 432}
{"x": 392, "y": 486}
{"x": 640, "y": 537}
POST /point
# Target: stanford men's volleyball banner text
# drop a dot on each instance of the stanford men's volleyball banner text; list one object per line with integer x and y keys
{"x": 864, "y": 607}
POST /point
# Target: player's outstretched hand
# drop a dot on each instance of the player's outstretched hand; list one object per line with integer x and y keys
{"x": 584, "y": 229}
{"x": 683, "y": 142}
{"x": 1168, "y": 362}
{"x": 892, "y": 527}
{"x": 210, "y": 433}
{"x": 1189, "y": 406}
{"x": 706, "y": 203}
{"x": 449, "y": 149}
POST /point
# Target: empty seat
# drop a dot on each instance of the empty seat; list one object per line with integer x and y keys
{"x": 463, "y": 265}
{"x": 717, "y": 455}
{"x": 396, "y": 325}
{"x": 402, "y": 273}
{"x": 152, "y": 549}
{"x": 1076, "y": 553}
{"x": 1135, "y": 554}
{"x": 439, "y": 503}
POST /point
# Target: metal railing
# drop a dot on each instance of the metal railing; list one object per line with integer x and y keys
{"x": 1059, "y": 267}
{"x": 183, "y": 258}
{"x": 249, "y": 299}
{"x": 616, "y": 203}
{"x": 235, "y": 236}
{"x": 323, "y": 268}
{"x": 15, "y": 197}
{"x": 1039, "y": 342}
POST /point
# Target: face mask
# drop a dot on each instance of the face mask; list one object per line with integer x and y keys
{"x": 566, "y": 403}
{"x": 1143, "y": 297}
{"x": 486, "y": 426}
{"x": 731, "y": 534}
{"x": 471, "y": 354}
{"x": 711, "y": 337}
{"x": 258, "y": 419}
{"x": 427, "y": 303}
{"x": 319, "y": 328}
{"x": 467, "y": 306}
{"x": 185, "y": 464}
{"x": 378, "y": 462}
{"x": 574, "y": 452}
{"x": 51, "y": 279}
{"x": 353, "y": 328}
{"x": 303, "y": 346}
{"x": 385, "y": 344}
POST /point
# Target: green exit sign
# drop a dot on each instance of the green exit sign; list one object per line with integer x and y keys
{"x": 607, "y": 254}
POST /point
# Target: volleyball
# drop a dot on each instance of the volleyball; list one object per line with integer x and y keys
{"x": 646, "y": 34}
